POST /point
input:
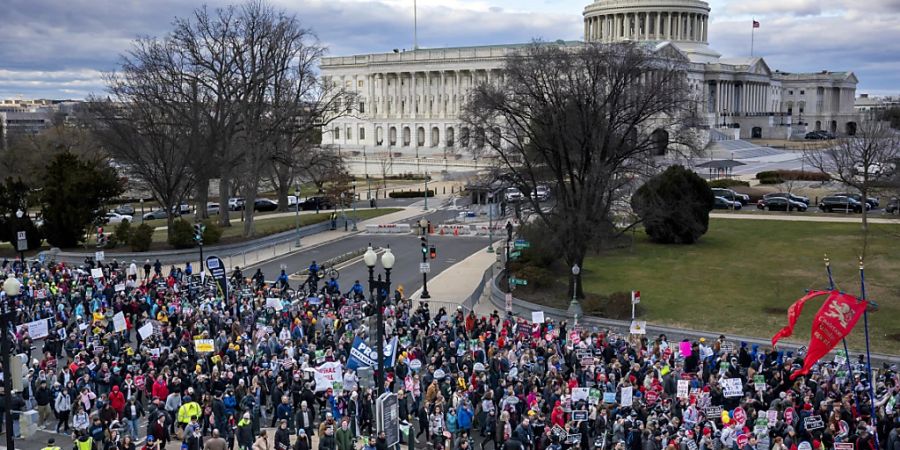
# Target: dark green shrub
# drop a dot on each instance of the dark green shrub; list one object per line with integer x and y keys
{"x": 123, "y": 232}
{"x": 674, "y": 206}
{"x": 141, "y": 237}
{"x": 411, "y": 194}
{"x": 780, "y": 176}
{"x": 727, "y": 183}
{"x": 538, "y": 277}
{"x": 213, "y": 232}
{"x": 182, "y": 234}
{"x": 614, "y": 306}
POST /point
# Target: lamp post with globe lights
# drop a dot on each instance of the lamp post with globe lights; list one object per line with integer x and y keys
{"x": 378, "y": 286}
{"x": 574, "y": 306}
{"x": 12, "y": 288}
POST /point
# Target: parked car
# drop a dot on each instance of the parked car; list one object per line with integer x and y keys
{"x": 153, "y": 215}
{"x": 780, "y": 204}
{"x": 796, "y": 198}
{"x": 541, "y": 193}
{"x": 893, "y": 206}
{"x": 236, "y": 203}
{"x": 725, "y": 203}
{"x": 819, "y": 135}
{"x": 181, "y": 209}
{"x": 513, "y": 194}
{"x": 872, "y": 201}
{"x": 264, "y": 204}
{"x": 731, "y": 195}
{"x": 114, "y": 217}
{"x": 838, "y": 203}
{"x": 874, "y": 169}
{"x": 126, "y": 210}
{"x": 313, "y": 203}
{"x": 292, "y": 201}
{"x": 212, "y": 208}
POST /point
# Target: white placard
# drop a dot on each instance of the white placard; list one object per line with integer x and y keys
{"x": 627, "y": 396}
{"x": 580, "y": 393}
{"x": 97, "y": 273}
{"x": 424, "y": 267}
{"x": 537, "y": 316}
{"x": 328, "y": 374}
{"x": 683, "y": 387}
{"x": 38, "y": 329}
{"x": 732, "y": 387}
{"x": 638, "y": 327}
{"x": 119, "y": 323}
{"x": 120, "y": 287}
{"x": 274, "y": 303}
{"x": 146, "y": 330}
{"x": 99, "y": 256}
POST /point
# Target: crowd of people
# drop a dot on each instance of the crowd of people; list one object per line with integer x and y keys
{"x": 216, "y": 371}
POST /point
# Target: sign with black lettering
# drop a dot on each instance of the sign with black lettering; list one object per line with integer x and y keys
{"x": 580, "y": 415}
{"x": 713, "y": 412}
{"x": 813, "y": 422}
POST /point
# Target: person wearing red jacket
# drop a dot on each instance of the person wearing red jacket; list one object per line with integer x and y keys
{"x": 117, "y": 400}
{"x": 558, "y": 417}
{"x": 160, "y": 390}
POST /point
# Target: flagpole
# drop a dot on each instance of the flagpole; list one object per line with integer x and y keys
{"x": 862, "y": 284}
{"x": 844, "y": 340}
{"x": 752, "y": 35}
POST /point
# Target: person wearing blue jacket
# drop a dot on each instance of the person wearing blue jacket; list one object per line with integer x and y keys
{"x": 464, "y": 415}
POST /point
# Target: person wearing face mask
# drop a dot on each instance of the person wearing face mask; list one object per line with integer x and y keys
{"x": 327, "y": 442}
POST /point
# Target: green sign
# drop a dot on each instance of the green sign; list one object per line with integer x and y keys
{"x": 518, "y": 282}
{"x": 522, "y": 244}
{"x": 515, "y": 255}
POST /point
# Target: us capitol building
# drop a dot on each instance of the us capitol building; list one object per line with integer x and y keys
{"x": 409, "y": 102}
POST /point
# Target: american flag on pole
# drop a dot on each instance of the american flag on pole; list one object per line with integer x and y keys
{"x": 755, "y": 24}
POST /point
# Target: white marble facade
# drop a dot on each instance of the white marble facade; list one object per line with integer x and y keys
{"x": 409, "y": 101}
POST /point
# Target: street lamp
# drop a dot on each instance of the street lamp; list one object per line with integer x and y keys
{"x": 297, "y": 214}
{"x": 426, "y": 192}
{"x": 354, "y": 205}
{"x": 11, "y": 287}
{"x": 490, "y": 248}
{"x": 22, "y": 241}
{"x": 423, "y": 225}
{"x": 574, "y": 306}
{"x": 378, "y": 286}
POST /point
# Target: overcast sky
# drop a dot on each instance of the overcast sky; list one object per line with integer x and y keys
{"x": 58, "y": 48}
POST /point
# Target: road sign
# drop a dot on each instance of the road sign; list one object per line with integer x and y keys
{"x": 522, "y": 244}
{"x": 22, "y": 244}
{"x": 99, "y": 256}
{"x": 387, "y": 415}
{"x": 635, "y": 297}
{"x": 424, "y": 267}
{"x": 515, "y": 255}
{"x": 509, "y": 301}
{"x": 518, "y": 282}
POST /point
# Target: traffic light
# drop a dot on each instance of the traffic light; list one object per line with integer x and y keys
{"x": 199, "y": 228}
{"x": 433, "y": 252}
{"x": 424, "y": 246}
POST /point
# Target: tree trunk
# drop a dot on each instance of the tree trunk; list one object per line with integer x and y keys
{"x": 224, "y": 197}
{"x": 201, "y": 213}
{"x": 170, "y": 223}
{"x": 864, "y": 206}
{"x": 249, "y": 210}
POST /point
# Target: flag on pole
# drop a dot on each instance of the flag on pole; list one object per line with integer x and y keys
{"x": 755, "y": 24}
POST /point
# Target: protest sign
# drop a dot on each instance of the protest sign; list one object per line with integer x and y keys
{"x": 759, "y": 383}
{"x": 362, "y": 355}
{"x": 581, "y": 415}
{"x": 119, "y": 323}
{"x": 38, "y": 329}
{"x": 274, "y": 303}
{"x": 813, "y": 422}
{"x": 772, "y": 417}
{"x": 732, "y": 387}
{"x": 580, "y": 393}
{"x": 537, "y": 316}
{"x": 684, "y": 348}
{"x": 120, "y": 287}
{"x": 739, "y": 416}
{"x": 713, "y": 412}
{"x": 638, "y": 327}
{"x": 609, "y": 397}
{"x": 97, "y": 273}
{"x": 683, "y": 387}
{"x": 627, "y": 396}
{"x": 328, "y": 375}
{"x": 204, "y": 345}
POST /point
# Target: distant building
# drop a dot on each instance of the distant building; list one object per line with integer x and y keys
{"x": 409, "y": 102}
{"x": 867, "y": 104}
{"x": 20, "y": 117}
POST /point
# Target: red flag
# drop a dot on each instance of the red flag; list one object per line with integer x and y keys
{"x": 833, "y": 322}
{"x": 793, "y": 315}
{"x": 755, "y": 24}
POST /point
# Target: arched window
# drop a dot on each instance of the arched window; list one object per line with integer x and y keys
{"x": 420, "y": 137}
{"x": 407, "y": 138}
{"x": 435, "y": 136}
{"x": 392, "y": 136}
{"x": 464, "y": 137}
{"x": 450, "y": 136}
{"x": 379, "y": 136}
{"x": 660, "y": 139}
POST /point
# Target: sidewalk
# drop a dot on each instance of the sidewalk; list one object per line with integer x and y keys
{"x": 455, "y": 284}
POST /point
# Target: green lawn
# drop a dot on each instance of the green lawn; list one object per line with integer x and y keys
{"x": 743, "y": 274}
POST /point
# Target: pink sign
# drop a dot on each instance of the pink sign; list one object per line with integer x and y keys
{"x": 742, "y": 440}
{"x": 740, "y": 416}
{"x": 685, "y": 349}
{"x": 789, "y": 416}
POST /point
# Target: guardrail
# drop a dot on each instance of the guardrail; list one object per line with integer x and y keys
{"x": 524, "y": 308}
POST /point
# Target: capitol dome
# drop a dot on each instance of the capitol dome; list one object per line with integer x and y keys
{"x": 684, "y": 23}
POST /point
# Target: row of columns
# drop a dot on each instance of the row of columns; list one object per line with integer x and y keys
{"x": 741, "y": 97}
{"x": 661, "y": 25}
{"x": 425, "y": 94}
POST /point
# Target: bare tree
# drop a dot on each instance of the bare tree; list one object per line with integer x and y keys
{"x": 584, "y": 121}
{"x": 861, "y": 162}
